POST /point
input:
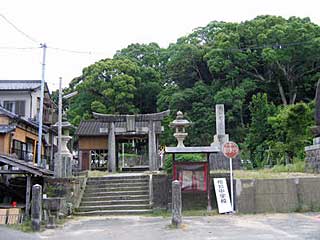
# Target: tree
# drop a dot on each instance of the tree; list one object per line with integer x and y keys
{"x": 150, "y": 78}
{"x": 107, "y": 86}
{"x": 291, "y": 126}
{"x": 260, "y": 130}
{"x": 273, "y": 51}
{"x": 186, "y": 65}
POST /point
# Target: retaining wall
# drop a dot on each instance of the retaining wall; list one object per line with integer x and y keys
{"x": 250, "y": 195}
{"x": 69, "y": 188}
{"x": 277, "y": 195}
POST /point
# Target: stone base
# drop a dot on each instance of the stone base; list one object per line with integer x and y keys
{"x": 218, "y": 161}
{"x": 315, "y": 130}
{"x": 51, "y": 224}
{"x": 313, "y": 158}
{"x": 220, "y": 139}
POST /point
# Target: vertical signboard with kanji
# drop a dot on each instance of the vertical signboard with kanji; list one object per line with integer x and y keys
{"x": 222, "y": 194}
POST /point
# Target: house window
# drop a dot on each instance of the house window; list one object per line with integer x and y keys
{"x": 8, "y": 105}
{"x": 17, "y": 107}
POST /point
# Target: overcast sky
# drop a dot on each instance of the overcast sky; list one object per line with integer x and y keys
{"x": 104, "y": 26}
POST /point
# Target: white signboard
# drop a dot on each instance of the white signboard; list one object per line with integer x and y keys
{"x": 222, "y": 194}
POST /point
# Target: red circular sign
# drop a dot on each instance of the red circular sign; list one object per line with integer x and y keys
{"x": 230, "y": 149}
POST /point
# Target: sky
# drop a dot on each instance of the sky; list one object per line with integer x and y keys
{"x": 91, "y": 30}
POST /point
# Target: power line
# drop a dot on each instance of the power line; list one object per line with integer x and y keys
{"x": 77, "y": 51}
{"x": 71, "y": 51}
{"x": 243, "y": 49}
{"x": 18, "y": 29}
{"x": 18, "y": 48}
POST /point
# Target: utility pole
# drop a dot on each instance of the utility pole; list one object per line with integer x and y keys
{"x": 59, "y": 121}
{"x": 44, "y": 48}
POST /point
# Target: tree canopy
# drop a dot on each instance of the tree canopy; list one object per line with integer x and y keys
{"x": 264, "y": 71}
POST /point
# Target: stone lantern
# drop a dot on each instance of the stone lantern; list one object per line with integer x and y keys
{"x": 180, "y": 124}
{"x": 63, "y": 163}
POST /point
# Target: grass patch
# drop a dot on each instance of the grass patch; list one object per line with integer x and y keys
{"x": 278, "y": 171}
{"x": 25, "y": 226}
{"x": 296, "y": 167}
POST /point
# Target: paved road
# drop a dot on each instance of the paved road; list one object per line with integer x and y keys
{"x": 246, "y": 227}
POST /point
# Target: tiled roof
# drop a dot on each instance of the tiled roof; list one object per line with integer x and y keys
{"x": 8, "y": 113}
{"x": 22, "y": 119}
{"x": 7, "y": 128}
{"x": 93, "y": 127}
{"x": 24, "y": 166}
{"x": 10, "y": 85}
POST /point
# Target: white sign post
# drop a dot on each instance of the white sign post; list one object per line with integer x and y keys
{"x": 222, "y": 194}
{"x": 231, "y": 150}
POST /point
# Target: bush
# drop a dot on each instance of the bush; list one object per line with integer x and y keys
{"x": 296, "y": 167}
{"x": 182, "y": 158}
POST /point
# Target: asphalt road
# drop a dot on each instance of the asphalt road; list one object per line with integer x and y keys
{"x": 247, "y": 227}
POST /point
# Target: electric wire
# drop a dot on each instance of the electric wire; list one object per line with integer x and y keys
{"x": 85, "y": 52}
{"x": 18, "y": 29}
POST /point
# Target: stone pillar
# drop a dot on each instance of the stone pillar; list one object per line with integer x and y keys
{"x": 220, "y": 120}
{"x": 176, "y": 204}
{"x": 57, "y": 166}
{"x": 36, "y": 207}
{"x": 152, "y": 151}
{"x": 111, "y": 148}
{"x": 221, "y": 137}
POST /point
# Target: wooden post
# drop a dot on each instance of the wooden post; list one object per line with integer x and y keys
{"x": 209, "y": 208}
{"x": 28, "y": 190}
{"x": 176, "y": 204}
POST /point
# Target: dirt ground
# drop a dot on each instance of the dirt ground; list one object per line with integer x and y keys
{"x": 246, "y": 227}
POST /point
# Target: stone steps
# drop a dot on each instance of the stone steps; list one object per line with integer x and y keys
{"x": 114, "y": 207}
{"x": 114, "y": 202}
{"x": 115, "y": 197}
{"x": 104, "y": 181}
{"x": 117, "y": 189}
{"x": 119, "y": 178}
{"x": 116, "y": 194}
{"x": 115, "y": 212}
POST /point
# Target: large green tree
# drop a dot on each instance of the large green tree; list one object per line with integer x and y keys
{"x": 235, "y": 64}
{"x": 281, "y": 55}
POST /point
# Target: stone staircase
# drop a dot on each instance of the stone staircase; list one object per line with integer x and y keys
{"x": 115, "y": 195}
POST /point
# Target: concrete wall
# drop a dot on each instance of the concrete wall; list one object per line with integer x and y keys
{"x": 251, "y": 195}
{"x": 277, "y": 195}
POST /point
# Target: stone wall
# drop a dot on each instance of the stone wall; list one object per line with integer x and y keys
{"x": 162, "y": 193}
{"x": 313, "y": 158}
{"x": 250, "y": 195}
{"x": 218, "y": 161}
{"x": 277, "y": 195}
{"x": 69, "y": 188}
{"x": 161, "y": 190}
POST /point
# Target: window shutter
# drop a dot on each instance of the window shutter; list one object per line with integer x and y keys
{"x": 20, "y": 108}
